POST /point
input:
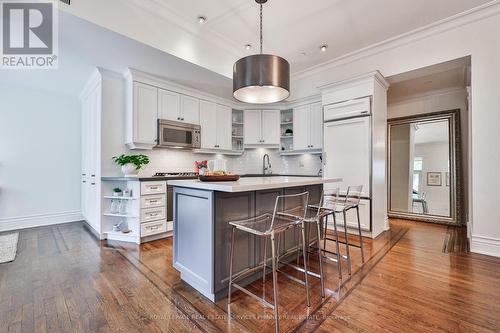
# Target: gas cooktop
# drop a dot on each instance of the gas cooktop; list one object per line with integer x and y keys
{"x": 176, "y": 175}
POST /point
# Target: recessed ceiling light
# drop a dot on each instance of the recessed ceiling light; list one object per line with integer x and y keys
{"x": 202, "y": 19}
{"x": 248, "y": 46}
{"x": 323, "y": 47}
{"x": 303, "y": 54}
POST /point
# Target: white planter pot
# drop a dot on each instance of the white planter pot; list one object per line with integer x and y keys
{"x": 129, "y": 170}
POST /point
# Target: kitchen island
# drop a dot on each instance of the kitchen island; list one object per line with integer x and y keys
{"x": 202, "y": 234}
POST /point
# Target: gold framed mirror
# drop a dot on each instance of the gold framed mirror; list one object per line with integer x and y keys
{"x": 424, "y": 168}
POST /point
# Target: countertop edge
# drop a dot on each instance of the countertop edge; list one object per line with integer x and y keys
{"x": 232, "y": 188}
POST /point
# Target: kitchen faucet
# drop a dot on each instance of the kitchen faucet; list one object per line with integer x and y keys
{"x": 266, "y": 169}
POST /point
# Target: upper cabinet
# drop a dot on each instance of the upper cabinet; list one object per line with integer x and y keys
{"x": 308, "y": 127}
{"x": 177, "y": 107}
{"x": 142, "y": 110}
{"x": 216, "y": 126}
{"x": 262, "y": 128}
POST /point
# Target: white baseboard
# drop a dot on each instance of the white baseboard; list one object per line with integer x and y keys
{"x": 31, "y": 221}
{"x": 485, "y": 245}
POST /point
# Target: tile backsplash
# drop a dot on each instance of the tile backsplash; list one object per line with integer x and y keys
{"x": 168, "y": 160}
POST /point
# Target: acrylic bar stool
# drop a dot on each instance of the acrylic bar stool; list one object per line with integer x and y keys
{"x": 318, "y": 215}
{"x": 350, "y": 201}
{"x": 269, "y": 226}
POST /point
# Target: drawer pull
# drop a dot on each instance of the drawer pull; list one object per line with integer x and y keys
{"x": 153, "y": 187}
{"x": 153, "y": 201}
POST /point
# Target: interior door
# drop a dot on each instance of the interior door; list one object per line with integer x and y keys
{"x": 224, "y": 127}
{"x": 271, "y": 127}
{"x": 347, "y": 146}
{"x": 169, "y": 105}
{"x": 208, "y": 120}
{"x": 252, "y": 130}
{"x": 316, "y": 126}
{"x": 190, "y": 110}
{"x": 301, "y": 127}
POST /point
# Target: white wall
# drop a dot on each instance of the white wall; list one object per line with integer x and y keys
{"x": 477, "y": 35}
{"x": 180, "y": 161}
{"x": 401, "y": 167}
{"x": 435, "y": 159}
{"x": 39, "y": 158}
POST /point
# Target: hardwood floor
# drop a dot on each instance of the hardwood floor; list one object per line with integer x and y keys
{"x": 64, "y": 280}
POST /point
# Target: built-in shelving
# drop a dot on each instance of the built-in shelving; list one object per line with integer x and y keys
{"x": 119, "y": 198}
{"x": 237, "y": 131}
{"x": 120, "y": 215}
{"x": 286, "y": 126}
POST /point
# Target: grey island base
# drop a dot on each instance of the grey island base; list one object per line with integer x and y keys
{"x": 202, "y": 234}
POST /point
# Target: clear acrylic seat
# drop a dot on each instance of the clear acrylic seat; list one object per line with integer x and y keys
{"x": 289, "y": 211}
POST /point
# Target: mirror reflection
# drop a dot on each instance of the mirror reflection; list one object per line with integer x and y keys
{"x": 420, "y": 168}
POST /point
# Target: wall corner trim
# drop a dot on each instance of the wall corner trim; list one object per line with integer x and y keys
{"x": 485, "y": 245}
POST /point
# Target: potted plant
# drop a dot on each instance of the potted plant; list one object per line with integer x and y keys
{"x": 131, "y": 164}
{"x": 117, "y": 192}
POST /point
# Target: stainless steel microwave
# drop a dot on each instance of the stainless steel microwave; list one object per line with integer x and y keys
{"x": 176, "y": 134}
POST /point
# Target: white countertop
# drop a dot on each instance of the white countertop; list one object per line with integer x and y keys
{"x": 253, "y": 183}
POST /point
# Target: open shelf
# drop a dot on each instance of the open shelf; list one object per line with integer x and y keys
{"x": 119, "y": 198}
{"x": 128, "y": 234}
{"x": 121, "y": 215}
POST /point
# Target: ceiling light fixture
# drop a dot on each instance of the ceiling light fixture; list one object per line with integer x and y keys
{"x": 323, "y": 47}
{"x": 261, "y": 78}
{"x": 202, "y": 19}
{"x": 248, "y": 47}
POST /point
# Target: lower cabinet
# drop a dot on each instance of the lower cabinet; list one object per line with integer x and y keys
{"x": 153, "y": 209}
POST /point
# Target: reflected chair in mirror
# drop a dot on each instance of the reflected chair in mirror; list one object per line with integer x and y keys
{"x": 268, "y": 227}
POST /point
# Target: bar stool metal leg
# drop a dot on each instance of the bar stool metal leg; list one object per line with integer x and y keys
{"x": 337, "y": 246}
{"x": 275, "y": 283}
{"x": 360, "y": 237}
{"x": 304, "y": 254}
{"x": 231, "y": 271}
{"x": 347, "y": 243}
{"x": 320, "y": 254}
{"x": 264, "y": 262}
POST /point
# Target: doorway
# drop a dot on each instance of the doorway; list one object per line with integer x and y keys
{"x": 428, "y": 145}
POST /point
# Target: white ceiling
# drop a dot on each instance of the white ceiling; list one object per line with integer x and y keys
{"x": 83, "y": 46}
{"x": 291, "y": 27}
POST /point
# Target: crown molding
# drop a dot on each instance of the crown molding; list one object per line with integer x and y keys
{"x": 473, "y": 15}
{"x": 356, "y": 80}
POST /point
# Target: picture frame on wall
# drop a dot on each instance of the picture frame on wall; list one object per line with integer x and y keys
{"x": 434, "y": 179}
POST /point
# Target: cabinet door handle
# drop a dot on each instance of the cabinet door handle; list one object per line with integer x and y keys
{"x": 83, "y": 181}
{"x": 92, "y": 183}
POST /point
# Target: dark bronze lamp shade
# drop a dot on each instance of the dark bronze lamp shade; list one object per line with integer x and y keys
{"x": 261, "y": 78}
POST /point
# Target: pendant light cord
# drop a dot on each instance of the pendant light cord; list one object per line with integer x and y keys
{"x": 261, "y": 28}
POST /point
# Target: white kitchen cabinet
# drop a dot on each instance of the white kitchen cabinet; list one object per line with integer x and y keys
{"x": 177, "y": 107}
{"x": 208, "y": 121}
{"x": 169, "y": 105}
{"x": 143, "y": 116}
{"x": 316, "y": 126}
{"x": 262, "y": 127}
{"x": 301, "y": 127}
{"x": 271, "y": 127}
{"x": 252, "y": 130}
{"x": 216, "y": 126}
{"x": 224, "y": 127}
{"x": 91, "y": 105}
{"x": 308, "y": 127}
{"x": 190, "y": 110}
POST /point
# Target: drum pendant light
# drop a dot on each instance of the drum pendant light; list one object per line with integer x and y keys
{"x": 261, "y": 78}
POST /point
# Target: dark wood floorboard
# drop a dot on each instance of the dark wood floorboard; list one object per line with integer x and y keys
{"x": 65, "y": 280}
